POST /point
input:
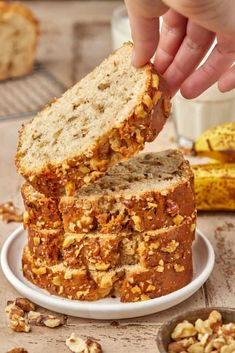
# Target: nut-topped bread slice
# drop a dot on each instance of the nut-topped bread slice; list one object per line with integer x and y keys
{"x": 150, "y": 191}
{"x": 131, "y": 282}
{"x": 69, "y": 283}
{"x": 105, "y": 118}
{"x": 18, "y": 40}
{"x": 147, "y": 192}
{"x": 99, "y": 251}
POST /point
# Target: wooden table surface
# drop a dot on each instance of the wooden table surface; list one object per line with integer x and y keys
{"x": 75, "y": 36}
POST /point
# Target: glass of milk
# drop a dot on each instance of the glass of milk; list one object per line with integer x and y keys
{"x": 191, "y": 117}
{"x": 194, "y": 116}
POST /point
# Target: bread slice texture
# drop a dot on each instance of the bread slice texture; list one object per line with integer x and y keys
{"x": 97, "y": 251}
{"x": 105, "y": 118}
{"x": 18, "y": 40}
{"x": 40, "y": 211}
{"x": 130, "y": 282}
{"x": 148, "y": 192}
{"x": 69, "y": 283}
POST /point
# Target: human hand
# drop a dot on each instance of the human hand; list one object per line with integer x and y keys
{"x": 188, "y": 31}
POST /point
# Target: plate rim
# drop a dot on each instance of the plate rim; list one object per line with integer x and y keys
{"x": 96, "y": 306}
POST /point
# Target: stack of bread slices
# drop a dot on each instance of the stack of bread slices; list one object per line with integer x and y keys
{"x": 101, "y": 222}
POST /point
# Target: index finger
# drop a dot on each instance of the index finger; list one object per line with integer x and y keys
{"x": 144, "y": 21}
{"x": 145, "y": 35}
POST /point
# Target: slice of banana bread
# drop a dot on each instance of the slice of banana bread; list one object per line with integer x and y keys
{"x": 97, "y": 251}
{"x": 40, "y": 211}
{"x": 150, "y": 191}
{"x": 105, "y": 118}
{"x": 69, "y": 283}
{"x": 18, "y": 40}
{"x": 130, "y": 197}
{"x": 132, "y": 283}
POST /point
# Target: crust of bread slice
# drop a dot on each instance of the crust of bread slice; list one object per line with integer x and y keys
{"x": 118, "y": 142}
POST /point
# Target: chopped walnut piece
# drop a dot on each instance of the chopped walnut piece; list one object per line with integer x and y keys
{"x": 93, "y": 347}
{"x": 70, "y": 188}
{"x": 228, "y": 329}
{"x": 19, "y": 324}
{"x": 203, "y": 326}
{"x": 215, "y": 317}
{"x": 25, "y": 304}
{"x": 230, "y": 348}
{"x": 12, "y": 310}
{"x": 170, "y": 247}
{"x": 16, "y": 315}
{"x": 196, "y": 348}
{"x": 51, "y": 321}
{"x": 10, "y": 213}
{"x": 104, "y": 85}
{"x": 137, "y": 223}
{"x": 172, "y": 208}
{"x": 17, "y": 350}
{"x": 78, "y": 345}
{"x": 178, "y": 219}
{"x": 176, "y": 347}
{"x": 178, "y": 268}
{"x": 184, "y": 329}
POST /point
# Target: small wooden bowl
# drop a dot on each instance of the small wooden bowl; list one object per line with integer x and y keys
{"x": 164, "y": 333}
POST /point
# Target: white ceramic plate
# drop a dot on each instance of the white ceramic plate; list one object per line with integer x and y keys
{"x": 203, "y": 260}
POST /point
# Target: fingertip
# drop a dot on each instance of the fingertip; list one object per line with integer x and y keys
{"x": 135, "y": 60}
{"x": 189, "y": 89}
{"x": 188, "y": 94}
{"x": 222, "y": 87}
{"x": 142, "y": 53}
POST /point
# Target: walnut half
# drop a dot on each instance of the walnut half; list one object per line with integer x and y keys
{"x": 25, "y": 304}
{"x": 51, "y": 321}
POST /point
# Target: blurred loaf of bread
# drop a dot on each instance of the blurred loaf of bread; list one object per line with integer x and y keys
{"x": 18, "y": 40}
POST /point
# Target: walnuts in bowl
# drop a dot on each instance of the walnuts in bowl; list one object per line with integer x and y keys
{"x": 204, "y": 336}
